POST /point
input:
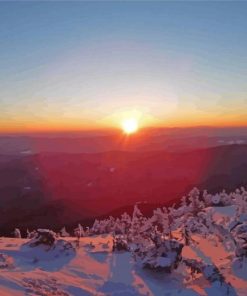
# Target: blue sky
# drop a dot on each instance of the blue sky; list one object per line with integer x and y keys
{"x": 84, "y": 64}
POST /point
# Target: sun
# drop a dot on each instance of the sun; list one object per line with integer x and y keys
{"x": 130, "y": 125}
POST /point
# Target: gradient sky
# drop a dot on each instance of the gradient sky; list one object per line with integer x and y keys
{"x": 83, "y": 65}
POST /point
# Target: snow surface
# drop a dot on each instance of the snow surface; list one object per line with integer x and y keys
{"x": 93, "y": 269}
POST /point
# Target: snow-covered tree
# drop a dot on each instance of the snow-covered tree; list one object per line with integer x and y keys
{"x": 137, "y": 222}
{"x": 160, "y": 254}
{"x": 226, "y": 199}
{"x": 120, "y": 243}
{"x": 63, "y": 232}
{"x": 43, "y": 236}
{"x": 163, "y": 220}
{"x": 195, "y": 203}
{"x": 79, "y": 232}
{"x": 96, "y": 227}
{"x": 207, "y": 198}
{"x": 125, "y": 222}
{"x": 240, "y": 237}
{"x": 87, "y": 231}
{"x": 216, "y": 200}
{"x": 17, "y": 233}
{"x": 211, "y": 273}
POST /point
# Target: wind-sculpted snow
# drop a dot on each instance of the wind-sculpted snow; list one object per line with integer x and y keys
{"x": 195, "y": 248}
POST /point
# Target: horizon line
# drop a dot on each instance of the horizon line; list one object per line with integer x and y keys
{"x": 116, "y": 130}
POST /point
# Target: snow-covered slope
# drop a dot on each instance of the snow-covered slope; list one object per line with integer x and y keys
{"x": 198, "y": 247}
{"x": 93, "y": 269}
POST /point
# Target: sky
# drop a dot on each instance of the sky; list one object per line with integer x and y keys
{"x": 83, "y": 65}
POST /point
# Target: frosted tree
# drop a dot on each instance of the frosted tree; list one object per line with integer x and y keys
{"x": 163, "y": 220}
{"x": 96, "y": 227}
{"x": 17, "y": 233}
{"x": 194, "y": 225}
{"x": 240, "y": 239}
{"x": 87, "y": 231}
{"x": 186, "y": 235}
{"x": 159, "y": 254}
{"x": 158, "y": 218}
{"x": 120, "y": 243}
{"x": 216, "y": 200}
{"x": 109, "y": 225}
{"x": 79, "y": 232}
{"x": 43, "y": 236}
{"x": 240, "y": 200}
{"x": 104, "y": 226}
{"x": 136, "y": 223}
{"x": 118, "y": 227}
{"x": 125, "y": 222}
{"x": 244, "y": 194}
{"x": 212, "y": 273}
{"x": 184, "y": 202}
{"x": 207, "y": 219}
{"x": 195, "y": 204}
{"x": 31, "y": 234}
{"x": 226, "y": 199}
{"x": 63, "y": 232}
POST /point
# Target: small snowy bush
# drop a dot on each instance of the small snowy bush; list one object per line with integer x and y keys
{"x": 216, "y": 200}
{"x": 120, "y": 243}
{"x": 240, "y": 236}
{"x": 6, "y": 261}
{"x": 43, "y": 237}
{"x": 165, "y": 257}
{"x": 63, "y": 232}
{"x": 160, "y": 255}
{"x": 210, "y": 271}
{"x": 17, "y": 233}
{"x": 31, "y": 234}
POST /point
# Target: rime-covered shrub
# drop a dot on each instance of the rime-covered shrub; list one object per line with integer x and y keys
{"x": 195, "y": 204}
{"x": 216, "y": 200}
{"x": 48, "y": 238}
{"x": 162, "y": 220}
{"x": 158, "y": 253}
{"x": 17, "y": 233}
{"x": 211, "y": 273}
{"x": 137, "y": 227}
{"x": 226, "y": 199}
{"x": 121, "y": 225}
{"x": 31, "y": 234}
{"x": 219, "y": 199}
{"x": 103, "y": 226}
{"x": 6, "y": 261}
{"x": 120, "y": 243}
{"x": 43, "y": 237}
{"x": 162, "y": 256}
{"x": 63, "y": 246}
{"x": 152, "y": 239}
{"x": 240, "y": 237}
{"x": 79, "y": 231}
{"x": 125, "y": 222}
{"x": 63, "y": 232}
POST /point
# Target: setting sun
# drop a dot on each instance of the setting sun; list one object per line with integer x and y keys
{"x": 130, "y": 125}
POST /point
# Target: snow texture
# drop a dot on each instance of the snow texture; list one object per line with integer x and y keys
{"x": 196, "y": 248}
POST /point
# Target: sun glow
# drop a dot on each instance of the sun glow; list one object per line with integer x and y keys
{"x": 130, "y": 125}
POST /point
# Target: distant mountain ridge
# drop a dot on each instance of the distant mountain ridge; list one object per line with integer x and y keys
{"x": 56, "y": 188}
{"x": 155, "y": 139}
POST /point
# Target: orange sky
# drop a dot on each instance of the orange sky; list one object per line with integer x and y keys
{"x": 84, "y": 66}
